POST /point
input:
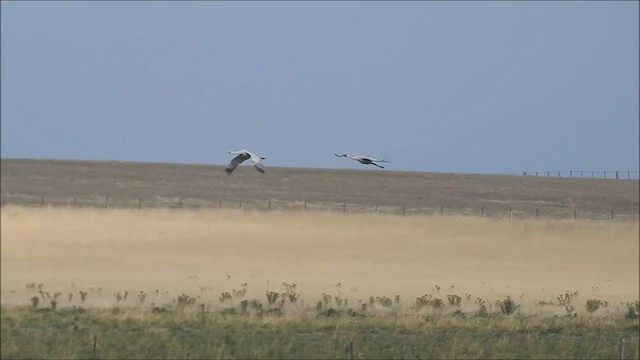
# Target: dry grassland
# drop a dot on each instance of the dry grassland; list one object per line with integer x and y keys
{"x": 89, "y": 183}
{"x": 207, "y": 252}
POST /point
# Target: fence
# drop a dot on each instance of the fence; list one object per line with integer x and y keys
{"x": 349, "y": 348}
{"x": 602, "y": 174}
{"x": 157, "y": 202}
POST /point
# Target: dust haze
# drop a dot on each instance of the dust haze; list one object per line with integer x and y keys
{"x": 358, "y": 255}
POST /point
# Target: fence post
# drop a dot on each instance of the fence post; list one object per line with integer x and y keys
{"x": 536, "y": 213}
{"x": 611, "y": 214}
{"x": 269, "y": 208}
{"x": 482, "y": 211}
{"x": 570, "y": 173}
{"x": 581, "y": 173}
{"x": 376, "y": 208}
{"x": 605, "y": 174}
{"x": 106, "y": 201}
{"x": 139, "y": 203}
{"x": 617, "y": 175}
{"x": 621, "y": 349}
{"x": 240, "y": 204}
{"x": 344, "y": 207}
{"x": 440, "y": 209}
{"x": 180, "y": 202}
{"x": 628, "y": 175}
{"x": 510, "y": 214}
{"x": 548, "y": 173}
{"x": 95, "y": 347}
{"x": 305, "y": 205}
{"x": 575, "y": 214}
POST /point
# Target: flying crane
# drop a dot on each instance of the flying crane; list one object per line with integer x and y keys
{"x": 366, "y": 160}
{"x": 243, "y": 155}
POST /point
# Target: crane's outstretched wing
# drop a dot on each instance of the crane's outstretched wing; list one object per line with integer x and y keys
{"x": 259, "y": 167}
{"x": 235, "y": 162}
{"x": 257, "y": 162}
{"x": 375, "y": 160}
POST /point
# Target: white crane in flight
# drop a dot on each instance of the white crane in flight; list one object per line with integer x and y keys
{"x": 366, "y": 160}
{"x": 242, "y": 156}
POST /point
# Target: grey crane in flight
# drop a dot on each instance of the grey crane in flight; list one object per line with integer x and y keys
{"x": 243, "y": 155}
{"x": 366, "y": 160}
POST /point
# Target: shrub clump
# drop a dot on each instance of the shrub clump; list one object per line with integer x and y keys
{"x": 633, "y": 312}
{"x": 429, "y": 300}
{"x": 507, "y": 306}
{"x": 482, "y": 308}
{"x": 593, "y": 305}
{"x": 454, "y": 300}
{"x": 566, "y": 298}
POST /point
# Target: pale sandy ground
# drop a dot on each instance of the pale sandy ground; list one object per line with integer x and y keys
{"x": 202, "y": 253}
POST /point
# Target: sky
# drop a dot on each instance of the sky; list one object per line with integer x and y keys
{"x": 470, "y": 87}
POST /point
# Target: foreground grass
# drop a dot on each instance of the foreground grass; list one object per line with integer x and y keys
{"x": 133, "y": 334}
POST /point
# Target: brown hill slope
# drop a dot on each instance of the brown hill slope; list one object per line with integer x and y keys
{"x": 31, "y": 181}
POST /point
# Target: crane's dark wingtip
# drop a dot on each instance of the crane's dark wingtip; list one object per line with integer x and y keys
{"x": 227, "y": 171}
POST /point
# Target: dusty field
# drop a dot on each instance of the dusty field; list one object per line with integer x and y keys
{"x": 207, "y": 252}
{"x": 27, "y": 181}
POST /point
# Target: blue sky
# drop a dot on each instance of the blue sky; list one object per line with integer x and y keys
{"x": 432, "y": 86}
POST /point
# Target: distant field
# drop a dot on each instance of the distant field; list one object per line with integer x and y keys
{"x": 89, "y": 183}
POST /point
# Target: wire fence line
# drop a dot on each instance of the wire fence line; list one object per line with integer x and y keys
{"x": 158, "y": 202}
{"x": 596, "y": 174}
